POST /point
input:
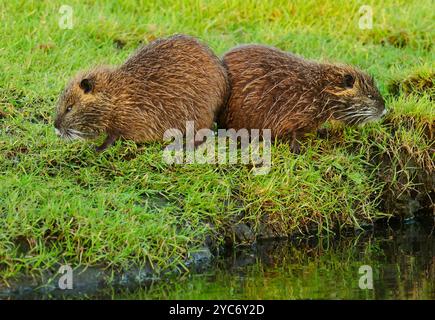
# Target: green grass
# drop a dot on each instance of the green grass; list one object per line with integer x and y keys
{"x": 62, "y": 203}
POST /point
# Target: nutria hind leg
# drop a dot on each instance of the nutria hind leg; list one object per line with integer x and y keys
{"x": 110, "y": 140}
{"x": 298, "y": 136}
{"x": 295, "y": 145}
{"x": 295, "y": 138}
{"x": 322, "y": 133}
{"x": 292, "y": 139}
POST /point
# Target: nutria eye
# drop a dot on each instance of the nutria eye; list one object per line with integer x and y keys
{"x": 369, "y": 96}
{"x": 69, "y": 108}
{"x": 348, "y": 81}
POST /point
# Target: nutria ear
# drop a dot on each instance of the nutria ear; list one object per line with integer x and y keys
{"x": 348, "y": 81}
{"x": 87, "y": 85}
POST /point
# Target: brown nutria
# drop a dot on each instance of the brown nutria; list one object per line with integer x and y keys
{"x": 166, "y": 83}
{"x": 272, "y": 89}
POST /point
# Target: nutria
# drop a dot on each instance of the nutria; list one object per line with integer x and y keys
{"x": 272, "y": 89}
{"x": 163, "y": 85}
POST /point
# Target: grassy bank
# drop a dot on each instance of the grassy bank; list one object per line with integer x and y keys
{"x": 62, "y": 203}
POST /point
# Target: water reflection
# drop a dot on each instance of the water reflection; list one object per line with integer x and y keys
{"x": 401, "y": 257}
{"x": 402, "y": 260}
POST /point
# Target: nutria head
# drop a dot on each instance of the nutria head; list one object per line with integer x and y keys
{"x": 351, "y": 95}
{"x": 82, "y": 109}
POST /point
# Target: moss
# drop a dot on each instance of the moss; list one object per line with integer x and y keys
{"x": 417, "y": 84}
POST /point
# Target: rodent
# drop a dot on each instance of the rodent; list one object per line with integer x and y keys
{"x": 292, "y": 96}
{"x": 161, "y": 86}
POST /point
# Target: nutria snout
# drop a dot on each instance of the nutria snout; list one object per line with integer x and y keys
{"x": 272, "y": 89}
{"x": 162, "y": 86}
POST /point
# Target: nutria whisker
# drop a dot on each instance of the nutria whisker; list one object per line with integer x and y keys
{"x": 74, "y": 135}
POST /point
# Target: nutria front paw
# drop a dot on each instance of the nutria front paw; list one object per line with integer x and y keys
{"x": 110, "y": 139}
{"x": 323, "y": 133}
{"x": 101, "y": 148}
{"x": 295, "y": 147}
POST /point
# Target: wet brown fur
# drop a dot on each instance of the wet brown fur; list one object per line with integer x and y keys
{"x": 163, "y": 85}
{"x": 272, "y": 89}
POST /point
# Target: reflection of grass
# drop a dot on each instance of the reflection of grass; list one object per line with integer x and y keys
{"x": 62, "y": 202}
{"x": 325, "y": 270}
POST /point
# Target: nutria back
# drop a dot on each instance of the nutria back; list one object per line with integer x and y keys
{"x": 163, "y": 85}
{"x": 272, "y": 89}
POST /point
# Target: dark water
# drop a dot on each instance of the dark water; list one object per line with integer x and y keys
{"x": 402, "y": 262}
{"x": 401, "y": 258}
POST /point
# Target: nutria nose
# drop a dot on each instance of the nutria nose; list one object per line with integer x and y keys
{"x": 57, "y": 123}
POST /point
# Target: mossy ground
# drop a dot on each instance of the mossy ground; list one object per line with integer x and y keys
{"x": 63, "y": 203}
